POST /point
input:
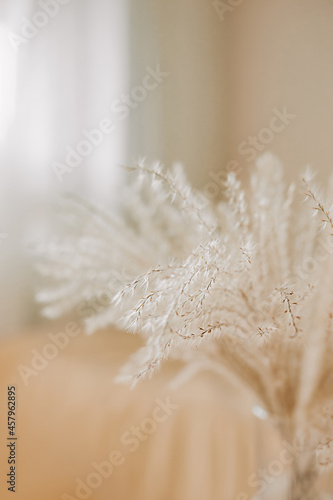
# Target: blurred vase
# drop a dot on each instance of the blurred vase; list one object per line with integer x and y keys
{"x": 299, "y": 473}
{"x": 285, "y": 489}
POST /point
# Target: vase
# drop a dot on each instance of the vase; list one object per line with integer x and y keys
{"x": 294, "y": 485}
{"x": 294, "y": 473}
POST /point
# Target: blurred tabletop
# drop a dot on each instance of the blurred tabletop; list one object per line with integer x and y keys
{"x": 80, "y": 435}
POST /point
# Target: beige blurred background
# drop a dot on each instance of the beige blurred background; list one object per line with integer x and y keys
{"x": 234, "y": 67}
{"x": 231, "y": 67}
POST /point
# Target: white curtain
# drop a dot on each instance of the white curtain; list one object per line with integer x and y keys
{"x": 62, "y": 64}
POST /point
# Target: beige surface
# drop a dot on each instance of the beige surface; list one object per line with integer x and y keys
{"x": 71, "y": 414}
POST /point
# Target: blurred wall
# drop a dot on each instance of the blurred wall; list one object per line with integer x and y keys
{"x": 280, "y": 55}
{"x": 186, "y": 120}
{"x": 245, "y": 76}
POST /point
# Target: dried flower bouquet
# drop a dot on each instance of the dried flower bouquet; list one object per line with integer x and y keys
{"x": 244, "y": 284}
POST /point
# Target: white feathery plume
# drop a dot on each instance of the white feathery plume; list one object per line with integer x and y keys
{"x": 226, "y": 285}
